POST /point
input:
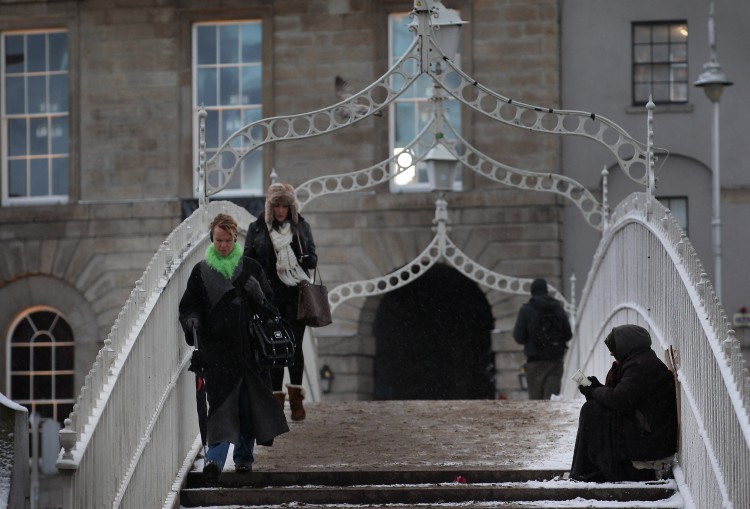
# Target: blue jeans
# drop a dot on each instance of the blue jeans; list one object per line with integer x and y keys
{"x": 243, "y": 452}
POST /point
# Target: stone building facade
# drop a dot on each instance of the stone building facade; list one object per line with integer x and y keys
{"x": 131, "y": 178}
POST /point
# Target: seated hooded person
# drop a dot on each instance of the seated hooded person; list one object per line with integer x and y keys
{"x": 630, "y": 421}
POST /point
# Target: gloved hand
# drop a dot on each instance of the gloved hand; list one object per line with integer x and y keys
{"x": 306, "y": 262}
{"x": 587, "y": 390}
{"x": 193, "y": 323}
{"x": 197, "y": 363}
{"x": 254, "y": 291}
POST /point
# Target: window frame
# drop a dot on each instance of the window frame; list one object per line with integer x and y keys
{"x": 51, "y": 198}
{"x": 651, "y": 64}
{"x": 243, "y": 108}
{"x": 59, "y": 414}
{"x": 420, "y": 102}
{"x": 667, "y": 202}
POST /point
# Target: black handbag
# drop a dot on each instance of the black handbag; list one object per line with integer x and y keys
{"x": 273, "y": 341}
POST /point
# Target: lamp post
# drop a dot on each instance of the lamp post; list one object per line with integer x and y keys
{"x": 712, "y": 80}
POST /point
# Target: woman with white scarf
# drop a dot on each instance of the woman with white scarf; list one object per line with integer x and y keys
{"x": 282, "y": 242}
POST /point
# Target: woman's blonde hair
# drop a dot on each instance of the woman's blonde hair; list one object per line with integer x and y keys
{"x": 226, "y": 223}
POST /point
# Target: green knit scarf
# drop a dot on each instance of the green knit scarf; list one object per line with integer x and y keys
{"x": 224, "y": 265}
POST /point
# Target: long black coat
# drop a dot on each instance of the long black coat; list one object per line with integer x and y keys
{"x": 632, "y": 417}
{"x": 258, "y": 246}
{"x": 219, "y": 305}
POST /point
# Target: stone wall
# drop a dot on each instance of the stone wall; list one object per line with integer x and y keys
{"x": 131, "y": 125}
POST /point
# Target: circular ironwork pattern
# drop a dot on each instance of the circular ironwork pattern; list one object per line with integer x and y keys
{"x": 631, "y": 155}
{"x": 220, "y": 167}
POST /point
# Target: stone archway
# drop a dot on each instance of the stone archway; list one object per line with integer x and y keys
{"x": 432, "y": 340}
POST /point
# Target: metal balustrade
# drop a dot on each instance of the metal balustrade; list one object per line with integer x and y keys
{"x": 646, "y": 272}
{"x": 133, "y": 429}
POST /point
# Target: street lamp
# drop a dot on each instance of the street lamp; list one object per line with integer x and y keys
{"x": 712, "y": 80}
{"x": 441, "y": 168}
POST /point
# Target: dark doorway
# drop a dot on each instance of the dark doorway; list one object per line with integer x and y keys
{"x": 432, "y": 340}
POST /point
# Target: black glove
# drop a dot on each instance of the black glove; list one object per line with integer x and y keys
{"x": 253, "y": 290}
{"x": 197, "y": 363}
{"x": 306, "y": 262}
{"x": 192, "y": 323}
{"x": 587, "y": 390}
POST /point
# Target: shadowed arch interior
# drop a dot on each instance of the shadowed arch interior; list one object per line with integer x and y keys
{"x": 433, "y": 340}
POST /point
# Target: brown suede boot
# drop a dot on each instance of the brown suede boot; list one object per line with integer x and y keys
{"x": 296, "y": 395}
{"x": 280, "y": 397}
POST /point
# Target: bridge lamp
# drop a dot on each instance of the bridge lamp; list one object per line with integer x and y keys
{"x": 441, "y": 168}
{"x": 445, "y": 25}
{"x": 713, "y": 81}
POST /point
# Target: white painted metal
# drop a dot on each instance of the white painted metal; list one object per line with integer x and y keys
{"x": 134, "y": 423}
{"x": 133, "y": 429}
{"x": 646, "y": 272}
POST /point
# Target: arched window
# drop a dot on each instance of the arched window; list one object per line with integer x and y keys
{"x": 41, "y": 363}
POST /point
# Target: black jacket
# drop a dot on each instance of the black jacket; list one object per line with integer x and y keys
{"x": 528, "y": 322}
{"x": 259, "y": 247}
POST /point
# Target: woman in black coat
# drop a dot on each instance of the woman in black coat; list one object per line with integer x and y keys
{"x": 222, "y": 291}
{"x": 282, "y": 242}
{"x": 632, "y": 417}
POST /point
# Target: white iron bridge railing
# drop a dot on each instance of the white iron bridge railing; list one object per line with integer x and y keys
{"x": 134, "y": 429}
{"x": 646, "y": 272}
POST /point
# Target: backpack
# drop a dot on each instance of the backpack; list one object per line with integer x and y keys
{"x": 549, "y": 330}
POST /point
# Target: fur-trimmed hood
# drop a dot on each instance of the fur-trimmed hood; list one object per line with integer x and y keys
{"x": 281, "y": 194}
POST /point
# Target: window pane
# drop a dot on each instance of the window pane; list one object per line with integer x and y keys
{"x": 405, "y": 123}
{"x": 64, "y": 386}
{"x": 60, "y": 176}
{"x": 230, "y": 123}
{"x": 39, "y": 136}
{"x": 45, "y": 411}
{"x": 61, "y": 331}
{"x": 229, "y": 86}
{"x": 15, "y": 98}
{"x": 20, "y": 358}
{"x": 206, "y": 44}
{"x": 17, "y": 178}
{"x": 39, "y": 177}
{"x": 661, "y": 73}
{"x": 59, "y": 135}
{"x": 14, "y": 54}
{"x": 42, "y": 387}
{"x": 229, "y": 44}
{"x": 661, "y": 53}
{"x": 20, "y": 387}
{"x": 660, "y": 33}
{"x": 58, "y": 93}
{"x": 17, "y": 137}
{"x": 212, "y": 128}
{"x": 641, "y": 54}
{"x": 64, "y": 358}
{"x": 36, "y": 53}
{"x": 37, "y": 94}
{"x": 42, "y": 358}
{"x": 661, "y": 92}
{"x": 207, "y": 95}
{"x": 251, "y": 85}
{"x": 678, "y": 33}
{"x": 58, "y": 51}
{"x": 251, "y": 42}
{"x": 679, "y": 92}
{"x": 24, "y": 332}
{"x": 678, "y": 53}
{"x": 641, "y": 34}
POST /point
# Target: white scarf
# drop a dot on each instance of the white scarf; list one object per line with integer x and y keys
{"x": 289, "y": 271}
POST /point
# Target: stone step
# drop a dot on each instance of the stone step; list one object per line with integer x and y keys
{"x": 315, "y": 489}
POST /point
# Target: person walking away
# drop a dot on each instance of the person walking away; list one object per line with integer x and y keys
{"x": 543, "y": 328}
{"x": 282, "y": 242}
{"x": 222, "y": 291}
{"x": 627, "y": 429}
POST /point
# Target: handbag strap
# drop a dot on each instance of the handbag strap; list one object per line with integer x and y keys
{"x": 302, "y": 253}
